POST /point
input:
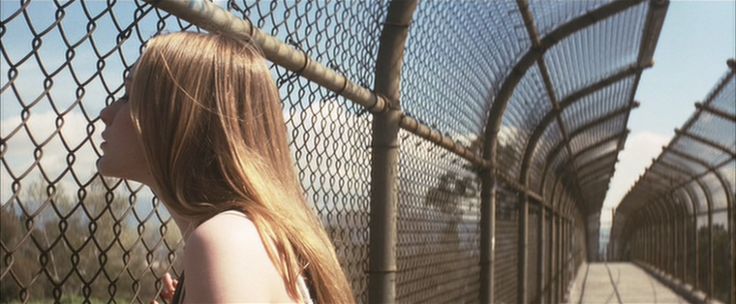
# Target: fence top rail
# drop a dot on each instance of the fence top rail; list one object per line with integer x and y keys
{"x": 704, "y": 145}
{"x": 461, "y": 59}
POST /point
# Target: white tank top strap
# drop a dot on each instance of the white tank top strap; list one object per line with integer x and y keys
{"x": 303, "y": 290}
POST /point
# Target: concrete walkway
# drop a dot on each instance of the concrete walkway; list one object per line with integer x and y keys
{"x": 619, "y": 283}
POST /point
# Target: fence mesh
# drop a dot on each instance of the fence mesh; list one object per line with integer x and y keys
{"x": 67, "y": 233}
{"x": 66, "y": 229}
{"x": 696, "y": 168}
{"x": 507, "y": 219}
{"x": 438, "y": 232}
{"x": 70, "y": 235}
{"x": 330, "y": 136}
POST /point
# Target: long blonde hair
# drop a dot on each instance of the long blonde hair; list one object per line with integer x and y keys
{"x": 210, "y": 119}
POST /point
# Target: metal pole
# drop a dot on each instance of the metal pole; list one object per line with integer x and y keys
{"x": 564, "y": 259}
{"x": 673, "y": 238}
{"x": 554, "y": 239}
{"x": 728, "y": 191}
{"x": 540, "y": 255}
{"x": 644, "y": 239}
{"x": 674, "y": 245}
{"x": 711, "y": 288}
{"x": 683, "y": 245}
{"x": 385, "y": 155}
{"x": 560, "y": 241}
{"x": 550, "y": 257}
{"x": 212, "y": 17}
{"x": 558, "y": 246}
{"x": 732, "y": 233}
{"x": 522, "y": 250}
{"x": 644, "y": 246}
{"x": 651, "y": 245}
{"x": 650, "y": 242}
{"x": 564, "y": 266}
{"x": 696, "y": 244}
{"x": 558, "y": 258}
{"x": 708, "y": 288}
{"x": 664, "y": 221}
{"x": 487, "y": 235}
{"x": 666, "y": 242}
{"x": 680, "y": 245}
{"x": 691, "y": 241}
{"x": 653, "y": 239}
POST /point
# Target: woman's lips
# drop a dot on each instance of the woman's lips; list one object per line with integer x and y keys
{"x": 104, "y": 139}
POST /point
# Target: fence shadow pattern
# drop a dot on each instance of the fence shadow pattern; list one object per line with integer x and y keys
{"x": 519, "y": 110}
{"x": 679, "y": 216}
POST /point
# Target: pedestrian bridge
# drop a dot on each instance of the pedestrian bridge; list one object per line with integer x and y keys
{"x": 619, "y": 283}
{"x": 456, "y": 151}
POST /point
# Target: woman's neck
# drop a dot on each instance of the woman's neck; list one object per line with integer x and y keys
{"x": 186, "y": 225}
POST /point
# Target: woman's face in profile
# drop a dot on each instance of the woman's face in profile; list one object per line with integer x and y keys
{"x": 122, "y": 150}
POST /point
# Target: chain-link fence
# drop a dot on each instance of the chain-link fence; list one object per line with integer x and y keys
{"x": 512, "y": 115}
{"x": 679, "y": 216}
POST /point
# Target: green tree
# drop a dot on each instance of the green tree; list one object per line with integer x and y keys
{"x": 94, "y": 246}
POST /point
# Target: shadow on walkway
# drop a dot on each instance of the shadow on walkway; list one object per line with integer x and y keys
{"x": 620, "y": 283}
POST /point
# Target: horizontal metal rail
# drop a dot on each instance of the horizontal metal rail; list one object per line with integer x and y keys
{"x": 716, "y": 112}
{"x": 706, "y": 142}
{"x": 213, "y": 18}
{"x": 685, "y": 130}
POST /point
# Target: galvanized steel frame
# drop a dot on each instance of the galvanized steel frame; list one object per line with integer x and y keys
{"x": 385, "y": 154}
{"x": 653, "y": 191}
{"x": 388, "y": 118}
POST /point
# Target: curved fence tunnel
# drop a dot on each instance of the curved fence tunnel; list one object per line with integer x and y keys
{"x": 684, "y": 202}
{"x": 491, "y": 130}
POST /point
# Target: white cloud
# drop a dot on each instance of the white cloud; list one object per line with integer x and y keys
{"x": 640, "y": 149}
{"x": 20, "y": 158}
{"x": 334, "y": 156}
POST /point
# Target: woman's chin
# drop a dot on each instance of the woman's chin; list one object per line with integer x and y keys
{"x": 100, "y": 166}
{"x": 103, "y": 167}
{"x": 109, "y": 168}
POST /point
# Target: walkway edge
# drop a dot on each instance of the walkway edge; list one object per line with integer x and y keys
{"x": 683, "y": 290}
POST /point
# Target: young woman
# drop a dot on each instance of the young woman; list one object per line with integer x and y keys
{"x": 201, "y": 124}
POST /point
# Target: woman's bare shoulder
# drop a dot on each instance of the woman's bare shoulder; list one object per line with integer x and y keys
{"x": 226, "y": 226}
{"x": 225, "y": 261}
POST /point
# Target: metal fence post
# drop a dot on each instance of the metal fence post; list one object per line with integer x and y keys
{"x": 731, "y": 63}
{"x": 708, "y": 288}
{"x": 682, "y": 234}
{"x": 385, "y": 155}
{"x": 552, "y": 257}
{"x": 522, "y": 249}
{"x": 696, "y": 244}
{"x": 732, "y": 226}
{"x": 674, "y": 245}
{"x": 732, "y": 232}
{"x": 540, "y": 254}
{"x": 711, "y": 284}
{"x": 565, "y": 259}
{"x": 559, "y": 256}
{"x": 487, "y": 235}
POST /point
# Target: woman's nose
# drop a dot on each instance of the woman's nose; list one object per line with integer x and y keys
{"x": 105, "y": 116}
{"x": 108, "y": 113}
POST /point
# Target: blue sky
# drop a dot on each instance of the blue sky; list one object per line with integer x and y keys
{"x": 696, "y": 40}
{"x": 78, "y": 117}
